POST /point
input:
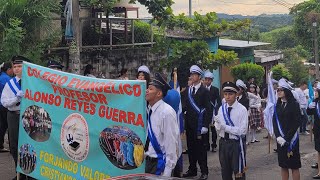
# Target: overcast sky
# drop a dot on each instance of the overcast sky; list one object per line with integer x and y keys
{"x": 243, "y": 7}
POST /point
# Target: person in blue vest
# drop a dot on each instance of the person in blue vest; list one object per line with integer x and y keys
{"x": 10, "y": 98}
{"x": 286, "y": 121}
{"x": 232, "y": 126}
{"x": 5, "y": 76}
{"x": 198, "y": 117}
{"x": 163, "y": 131}
{"x": 55, "y": 65}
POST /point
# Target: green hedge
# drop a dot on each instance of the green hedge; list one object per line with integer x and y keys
{"x": 246, "y": 70}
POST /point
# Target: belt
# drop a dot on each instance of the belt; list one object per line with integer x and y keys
{"x": 151, "y": 158}
{"x": 15, "y": 112}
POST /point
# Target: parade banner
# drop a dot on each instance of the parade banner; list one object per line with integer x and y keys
{"x": 77, "y": 127}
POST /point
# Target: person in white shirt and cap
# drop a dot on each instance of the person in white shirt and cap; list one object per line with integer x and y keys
{"x": 232, "y": 126}
{"x": 10, "y": 98}
{"x": 286, "y": 121}
{"x": 242, "y": 94}
{"x": 144, "y": 74}
{"x": 198, "y": 117}
{"x": 161, "y": 148}
{"x": 215, "y": 101}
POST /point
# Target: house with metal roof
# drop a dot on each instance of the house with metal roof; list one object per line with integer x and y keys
{"x": 244, "y": 49}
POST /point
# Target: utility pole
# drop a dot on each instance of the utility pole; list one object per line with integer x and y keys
{"x": 74, "y": 50}
{"x": 190, "y": 8}
{"x": 316, "y": 46}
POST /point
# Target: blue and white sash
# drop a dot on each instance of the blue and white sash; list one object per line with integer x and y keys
{"x": 14, "y": 85}
{"x": 294, "y": 139}
{"x": 160, "y": 155}
{"x": 242, "y": 159}
{"x": 198, "y": 110}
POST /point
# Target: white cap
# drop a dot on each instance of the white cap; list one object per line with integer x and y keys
{"x": 274, "y": 81}
{"x": 196, "y": 69}
{"x": 283, "y": 83}
{"x": 240, "y": 83}
{"x": 144, "y": 69}
{"x": 208, "y": 74}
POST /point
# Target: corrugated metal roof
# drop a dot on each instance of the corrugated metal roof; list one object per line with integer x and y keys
{"x": 239, "y": 43}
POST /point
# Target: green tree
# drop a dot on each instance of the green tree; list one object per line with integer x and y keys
{"x": 245, "y": 34}
{"x": 20, "y": 24}
{"x": 280, "y": 71}
{"x": 246, "y": 70}
{"x": 293, "y": 61}
{"x": 184, "y": 54}
{"x": 280, "y": 38}
{"x": 303, "y": 23}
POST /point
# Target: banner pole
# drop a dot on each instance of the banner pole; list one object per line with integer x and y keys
{"x": 269, "y": 138}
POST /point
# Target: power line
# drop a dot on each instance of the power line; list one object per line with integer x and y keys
{"x": 260, "y": 4}
{"x": 282, "y": 3}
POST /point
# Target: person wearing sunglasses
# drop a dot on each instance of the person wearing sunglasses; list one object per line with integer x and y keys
{"x": 286, "y": 121}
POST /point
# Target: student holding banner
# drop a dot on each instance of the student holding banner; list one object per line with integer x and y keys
{"x": 232, "y": 125}
{"x": 286, "y": 121}
{"x": 11, "y": 98}
{"x": 163, "y": 132}
{"x": 198, "y": 118}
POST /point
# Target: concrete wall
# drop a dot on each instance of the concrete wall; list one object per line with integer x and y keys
{"x": 110, "y": 62}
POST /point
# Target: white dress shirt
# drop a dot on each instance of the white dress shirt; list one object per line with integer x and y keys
{"x": 302, "y": 98}
{"x": 254, "y": 100}
{"x": 166, "y": 129}
{"x": 196, "y": 87}
{"x": 239, "y": 117}
{"x": 8, "y": 98}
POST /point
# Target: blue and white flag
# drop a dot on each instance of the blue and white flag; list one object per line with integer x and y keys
{"x": 269, "y": 110}
{"x": 311, "y": 93}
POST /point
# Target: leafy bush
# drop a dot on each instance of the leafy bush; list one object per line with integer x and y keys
{"x": 142, "y": 32}
{"x": 280, "y": 71}
{"x": 246, "y": 70}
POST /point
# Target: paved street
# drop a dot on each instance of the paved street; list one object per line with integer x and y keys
{"x": 262, "y": 166}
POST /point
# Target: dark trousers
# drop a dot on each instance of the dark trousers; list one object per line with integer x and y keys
{"x": 304, "y": 120}
{"x": 178, "y": 168}
{"x": 213, "y": 137}
{"x": 229, "y": 158}
{"x": 197, "y": 151}
{"x": 3, "y": 125}
{"x": 13, "y": 127}
{"x": 151, "y": 165}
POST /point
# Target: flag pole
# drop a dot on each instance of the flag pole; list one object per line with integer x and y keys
{"x": 175, "y": 77}
{"x": 269, "y": 138}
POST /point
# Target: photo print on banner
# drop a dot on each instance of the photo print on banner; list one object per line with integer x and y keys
{"x": 27, "y": 158}
{"x": 122, "y": 146}
{"x": 37, "y": 123}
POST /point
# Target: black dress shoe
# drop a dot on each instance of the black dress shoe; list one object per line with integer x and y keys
{"x": 316, "y": 176}
{"x": 314, "y": 166}
{"x": 189, "y": 174}
{"x": 185, "y": 151}
{"x": 203, "y": 177}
